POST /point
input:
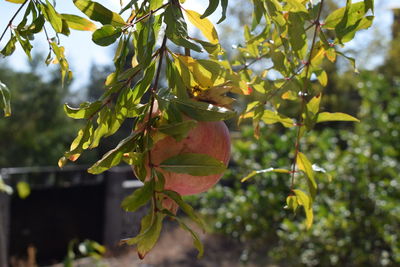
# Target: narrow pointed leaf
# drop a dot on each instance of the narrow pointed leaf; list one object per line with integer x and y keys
{"x": 5, "y": 99}
{"x": 185, "y": 207}
{"x": 336, "y": 116}
{"x": 98, "y": 12}
{"x": 305, "y": 165}
{"x": 204, "y": 25}
{"x": 78, "y": 23}
{"x": 193, "y": 164}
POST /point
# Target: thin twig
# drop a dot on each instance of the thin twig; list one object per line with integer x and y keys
{"x": 12, "y": 19}
{"x": 154, "y": 90}
{"x": 144, "y": 16}
{"x": 303, "y": 94}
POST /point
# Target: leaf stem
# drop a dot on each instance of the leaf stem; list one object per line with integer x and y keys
{"x": 12, "y": 19}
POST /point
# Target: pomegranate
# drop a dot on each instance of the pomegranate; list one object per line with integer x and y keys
{"x": 210, "y": 138}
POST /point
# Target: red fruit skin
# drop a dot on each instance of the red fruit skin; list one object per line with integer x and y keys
{"x": 210, "y": 138}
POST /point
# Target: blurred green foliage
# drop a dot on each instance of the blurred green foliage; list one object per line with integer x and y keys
{"x": 38, "y": 132}
{"x": 357, "y": 214}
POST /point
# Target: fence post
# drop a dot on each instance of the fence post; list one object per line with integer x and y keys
{"x": 4, "y": 228}
{"x": 112, "y": 207}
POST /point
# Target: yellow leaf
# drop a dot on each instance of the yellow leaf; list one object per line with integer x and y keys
{"x": 204, "y": 25}
{"x": 303, "y": 199}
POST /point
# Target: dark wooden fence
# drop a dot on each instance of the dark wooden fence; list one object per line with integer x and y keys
{"x": 64, "y": 205}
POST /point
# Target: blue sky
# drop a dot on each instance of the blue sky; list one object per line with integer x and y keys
{"x": 82, "y": 53}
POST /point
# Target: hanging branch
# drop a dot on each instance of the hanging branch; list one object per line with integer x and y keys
{"x": 12, "y": 19}
{"x": 303, "y": 94}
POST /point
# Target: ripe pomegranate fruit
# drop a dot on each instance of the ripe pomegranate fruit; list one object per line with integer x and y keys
{"x": 210, "y": 138}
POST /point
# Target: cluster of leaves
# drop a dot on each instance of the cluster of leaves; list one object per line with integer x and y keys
{"x": 196, "y": 88}
{"x": 358, "y": 214}
{"x": 279, "y": 35}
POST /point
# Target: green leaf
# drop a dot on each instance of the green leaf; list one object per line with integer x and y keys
{"x": 62, "y": 61}
{"x": 348, "y": 20}
{"x": 52, "y": 16}
{"x": 253, "y": 173}
{"x": 145, "y": 41}
{"x": 139, "y": 197}
{"x": 23, "y": 189}
{"x": 204, "y": 25}
{"x": 178, "y": 130}
{"x": 224, "y": 5}
{"x": 98, "y": 12}
{"x": 25, "y": 44}
{"x": 150, "y": 230}
{"x": 177, "y": 29}
{"x": 305, "y": 165}
{"x": 185, "y": 207}
{"x": 114, "y": 156}
{"x": 313, "y": 104}
{"x": 352, "y": 60}
{"x": 271, "y": 117}
{"x": 305, "y": 200}
{"x": 5, "y": 99}
{"x": 202, "y": 111}
{"x": 10, "y": 46}
{"x": 132, "y": 158}
{"x": 322, "y": 77}
{"x": 196, "y": 240}
{"x": 128, "y": 6}
{"x": 106, "y": 35}
{"x": 78, "y": 23}
{"x": 193, "y": 164}
{"x": 336, "y": 116}
{"x": 212, "y": 6}
{"x": 292, "y": 203}
{"x": 295, "y": 6}
{"x": 85, "y": 110}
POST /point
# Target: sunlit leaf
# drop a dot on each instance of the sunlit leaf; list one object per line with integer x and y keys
{"x": 98, "y": 12}
{"x": 78, "y": 23}
{"x": 202, "y": 111}
{"x": 292, "y": 203}
{"x": 313, "y": 104}
{"x": 305, "y": 165}
{"x": 305, "y": 200}
{"x": 336, "y": 116}
{"x": 113, "y": 157}
{"x": 52, "y": 16}
{"x": 271, "y": 117}
{"x": 204, "y": 25}
{"x": 253, "y": 173}
{"x": 5, "y": 99}
{"x": 85, "y": 110}
{"x": 16, "y": 1}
